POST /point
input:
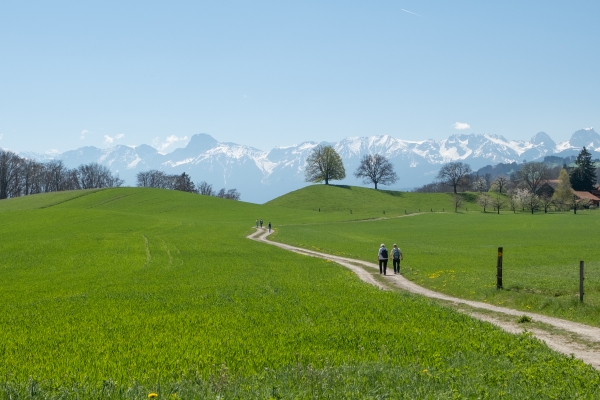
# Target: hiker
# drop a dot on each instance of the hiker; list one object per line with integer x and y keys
{"x": 269, "y": 227}
{"x": 261, "y": 224}
{"x": 383, "y": 259}
{"x": 256, "y": 223}
{"x": 396, "y": 257}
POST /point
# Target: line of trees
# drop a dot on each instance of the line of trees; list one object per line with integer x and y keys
{"x": 161, "y": 180}
{"x": 325, "y": 164}
{"x": 21, "y": 176}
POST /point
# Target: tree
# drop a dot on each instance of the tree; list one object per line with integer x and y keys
{"x": 484, "y": 200}
{"x": 498, "y": 202}
{"x": 457, "y": 199}
{"x": 500, "y": 183}
{"x": 375, "y": 168}
{"x": 205, "y": 189}
{"x": 480, "y": 185}
{"x": 184, "y": 183}
{"x": 529, "y": 199}
{"x": 563, "y": 194}
{"x": 533, "y": 175}
{"x": 583, "y": 176}
{"x": 324, "y": 164}
{"x": 546, "y": 200}
{"x": 453, "y": 173}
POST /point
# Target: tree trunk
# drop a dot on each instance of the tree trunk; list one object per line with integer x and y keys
{"x": 375, "y": 185}
{"x": 454, "y": 189}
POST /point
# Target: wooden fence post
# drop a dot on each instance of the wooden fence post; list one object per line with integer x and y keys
{"x": 581, "y": 281}
{"x": 499, "y": 269}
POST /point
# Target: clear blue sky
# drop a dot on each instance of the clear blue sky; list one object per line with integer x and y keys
{"x": 268, "y": 73}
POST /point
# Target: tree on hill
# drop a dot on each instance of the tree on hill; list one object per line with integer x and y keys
{"x": 498, "y": 202}
{"x": 375, "y": 168}
{"x": 484, "y": 200}
{"x": 184, "y": 183}
{"x": 583, "y": 176}
{"x": 324, "y": 164}
{"x": 533, "y": 175}
{"x": 453, "y": 173}
{"x": 500, "y": 183}
{"x": 563, "y": 194}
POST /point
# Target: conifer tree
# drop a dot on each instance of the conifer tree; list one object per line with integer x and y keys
{"x": 583, "y": 176}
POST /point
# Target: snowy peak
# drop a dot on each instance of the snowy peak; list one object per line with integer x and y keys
{"x": 542, "y": 139}
{"x": 585, "y": 137}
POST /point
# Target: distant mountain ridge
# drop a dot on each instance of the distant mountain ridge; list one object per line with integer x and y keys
{"x": 261, "y": 176}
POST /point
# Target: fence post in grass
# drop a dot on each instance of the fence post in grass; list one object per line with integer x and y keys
{"x": 581, "y": 281}
{"x": 499, "y": 269}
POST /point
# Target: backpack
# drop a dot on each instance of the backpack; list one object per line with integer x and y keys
{"x": 384, "y": 253}
{"x": 396, "y": 253}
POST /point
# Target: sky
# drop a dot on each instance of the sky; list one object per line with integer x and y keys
{"x": 277, "y": 73}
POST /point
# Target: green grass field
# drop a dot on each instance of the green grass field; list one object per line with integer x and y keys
{"x": 456, "y": 253}
{"x": 121, "y": 292}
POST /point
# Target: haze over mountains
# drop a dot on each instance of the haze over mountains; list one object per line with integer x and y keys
{"x": 261, "y": 176}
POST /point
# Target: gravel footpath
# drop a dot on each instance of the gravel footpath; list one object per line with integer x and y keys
{"x": 568, "y": 337}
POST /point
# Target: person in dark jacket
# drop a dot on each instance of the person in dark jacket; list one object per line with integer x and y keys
{"x": 396, "y": 257}
{"x": 269, "y": 227}
{"x": 383, "y": 259}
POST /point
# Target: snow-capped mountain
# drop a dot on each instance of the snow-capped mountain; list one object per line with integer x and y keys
{"x": 261, "y": 176}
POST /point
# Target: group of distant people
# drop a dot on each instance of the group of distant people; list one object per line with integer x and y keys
{"x": 383, "y": 257}
{"x": 260, "y": 222}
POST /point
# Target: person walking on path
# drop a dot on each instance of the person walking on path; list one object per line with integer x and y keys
{"x": 256, "y": 223}
{"x": 269, "y": 227}
{"x": 396, "y": 257}
{"x": 383, "y": 259}
{"x": 261, "y": 224}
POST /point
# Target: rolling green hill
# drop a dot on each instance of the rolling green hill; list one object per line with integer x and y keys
{"x": 368, "y": 202}
{"x": 121, "y": 292}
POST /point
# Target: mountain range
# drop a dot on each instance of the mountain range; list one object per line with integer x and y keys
{"x": 260, "y": 176}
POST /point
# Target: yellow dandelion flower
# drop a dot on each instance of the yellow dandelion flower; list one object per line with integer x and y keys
{"x": 152, "y": 395}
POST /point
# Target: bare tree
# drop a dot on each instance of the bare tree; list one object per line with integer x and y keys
{"x": 376, "y": 169}
{"x": 533, "y": 175}
{"x": 484, "y": 200}
{"x": 9, "y": 172}
{"x": 222, "y": 193}
{"x": 324, "y": 164}
{"x": 546, "y": 201}
{"x": 205, "y": 189}
{"x": 453, "y": 173}
{"x": 143, "y": 179}
{"x": 232, "y": 194}
{"x": 501, "y": 182}
{"x": 457, "y": 199}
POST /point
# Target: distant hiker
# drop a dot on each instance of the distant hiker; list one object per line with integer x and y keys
{"x": 396, "y": 257}
{"x": 269, "y": 227}
{"x": 261, "y": 223}
{"x": 383, "y": 259}
{"x": 256, "y": 223}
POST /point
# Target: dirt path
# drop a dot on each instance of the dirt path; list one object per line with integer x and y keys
{"x": 567, "y": 337}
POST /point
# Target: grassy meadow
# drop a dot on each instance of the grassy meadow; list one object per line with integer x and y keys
{"x": 456, "y": 253}
{"x": 118, "y": 293}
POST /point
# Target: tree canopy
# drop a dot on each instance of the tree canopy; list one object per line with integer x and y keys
{"x": 376, "y": 169}
{"x": 534, "y": 175}
{"x": 324, "y": 164}
{"x": 453, "y": 173}
{"x": 583, "y": 176}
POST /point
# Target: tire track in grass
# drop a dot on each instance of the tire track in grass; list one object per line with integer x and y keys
{"x": 567, "y": 337}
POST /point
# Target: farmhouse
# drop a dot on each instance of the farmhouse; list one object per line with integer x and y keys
{"x": 587, "y": 195}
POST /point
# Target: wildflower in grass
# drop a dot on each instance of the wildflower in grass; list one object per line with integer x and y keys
{"x": 152, "y": 395}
